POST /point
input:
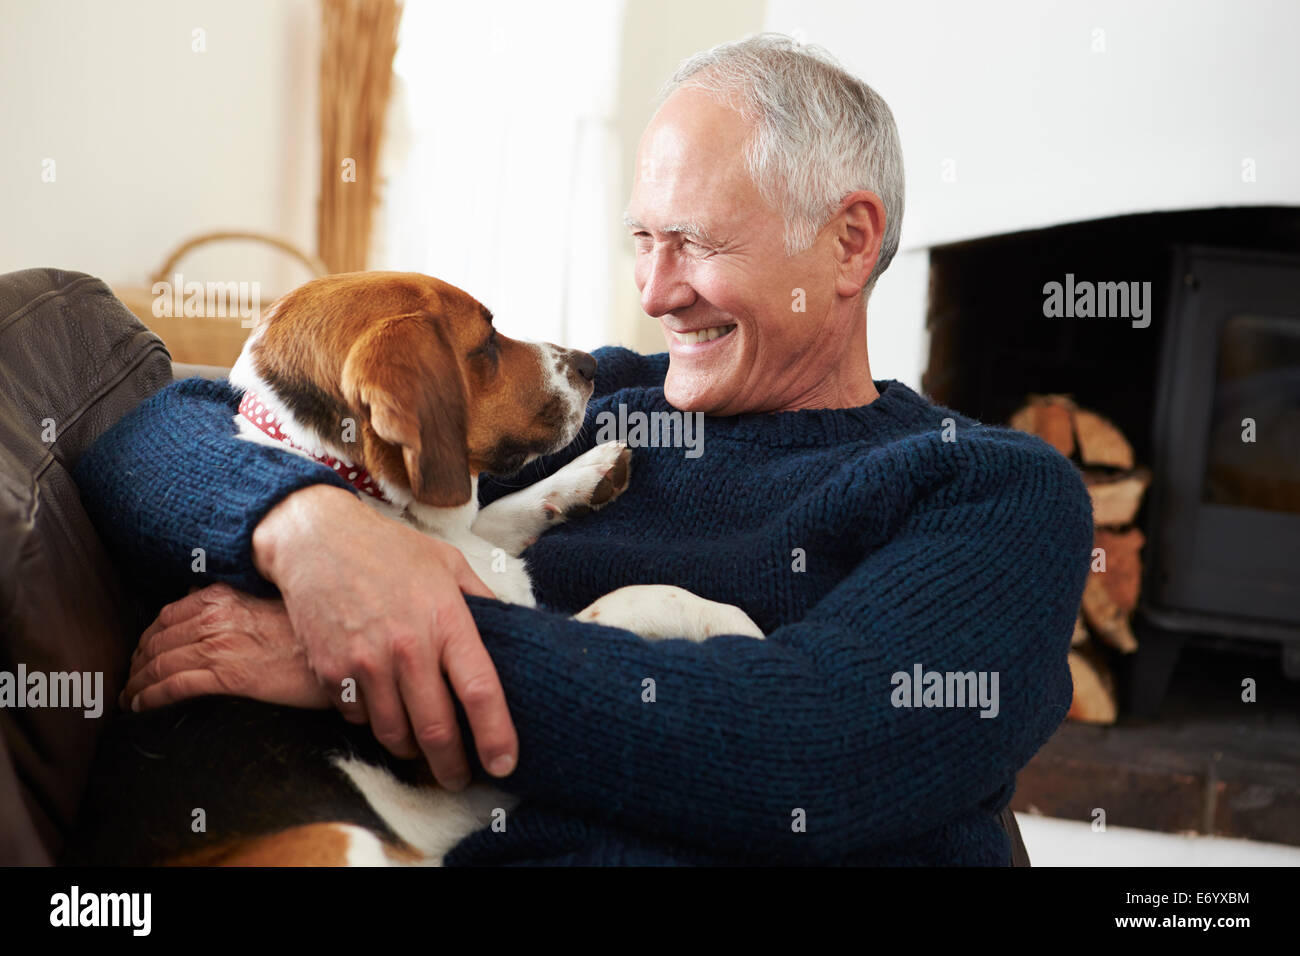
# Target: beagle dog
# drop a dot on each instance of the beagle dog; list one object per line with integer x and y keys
{"x": 401, "y": 385}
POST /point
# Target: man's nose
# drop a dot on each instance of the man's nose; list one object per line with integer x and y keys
{"x": 664, "y": 289}
{"x": 583, "y": 364}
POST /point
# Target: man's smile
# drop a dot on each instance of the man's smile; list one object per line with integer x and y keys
{"x": 693, "y": 341}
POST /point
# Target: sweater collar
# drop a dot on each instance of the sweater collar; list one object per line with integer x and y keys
{"x": 897, "y": 410}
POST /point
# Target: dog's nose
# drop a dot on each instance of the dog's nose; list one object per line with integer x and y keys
{"x": 584, "y": 365}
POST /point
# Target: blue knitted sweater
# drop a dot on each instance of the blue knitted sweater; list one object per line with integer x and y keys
{"x": 868, "y": 543}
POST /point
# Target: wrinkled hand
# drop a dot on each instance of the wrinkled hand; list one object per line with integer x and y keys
{"x": 376, "y": 609}
{"x": 221, "y": 641}
{"x": 378, "y": 606}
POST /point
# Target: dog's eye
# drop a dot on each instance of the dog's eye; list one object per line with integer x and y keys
{"x": 488, "y": 349}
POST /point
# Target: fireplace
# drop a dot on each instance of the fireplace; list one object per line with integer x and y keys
{"x": 1184, "y": 330}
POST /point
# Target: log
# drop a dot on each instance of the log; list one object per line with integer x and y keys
{"x": 1094, "y": 699}
{"x": 1051, "y": 418}
{"x": 1108, "y": 620}
{"x": 1122, "y": 578}
{"x": 1116, "y": 486}
{"x": 1115, "y": 497}
{"x": 1100, "y": 442}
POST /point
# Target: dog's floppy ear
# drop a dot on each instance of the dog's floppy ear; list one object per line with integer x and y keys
{"x": 401, "y": 375}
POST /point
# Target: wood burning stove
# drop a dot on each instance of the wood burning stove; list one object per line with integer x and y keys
{"x": 1224, "y": 525}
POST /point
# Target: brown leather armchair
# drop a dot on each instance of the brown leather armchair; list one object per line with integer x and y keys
{"x": 72, "y": 361}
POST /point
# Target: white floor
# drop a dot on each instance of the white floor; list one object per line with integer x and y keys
{"x": 1054, "y": 842}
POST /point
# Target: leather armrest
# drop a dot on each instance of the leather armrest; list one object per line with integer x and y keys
{"x": 73, "y": 360}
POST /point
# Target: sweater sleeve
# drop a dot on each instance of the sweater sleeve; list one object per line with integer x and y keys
{"x": 175, "y": 494}
{"x": 742, "y": 734}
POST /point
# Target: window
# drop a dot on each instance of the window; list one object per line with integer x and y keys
{"x": 502, "y": 164}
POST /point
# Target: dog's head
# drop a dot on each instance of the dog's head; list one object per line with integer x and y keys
{"x": 405, "y": 375}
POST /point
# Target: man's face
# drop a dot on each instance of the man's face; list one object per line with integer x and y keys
{"x": 710, "y": 258}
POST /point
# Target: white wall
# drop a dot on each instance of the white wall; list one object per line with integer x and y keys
{"x": 1039, "y": 129}
{"x": 153, "y": 142}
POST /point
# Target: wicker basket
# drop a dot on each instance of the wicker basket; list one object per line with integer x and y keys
{"x": 203, "y": 339}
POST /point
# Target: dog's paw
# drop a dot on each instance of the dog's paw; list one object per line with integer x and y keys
{"x": 589, "y": 482}
{"x": 658, "y": 611}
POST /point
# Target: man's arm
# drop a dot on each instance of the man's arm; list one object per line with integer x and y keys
{"x": 180, "y": 500}
{"x": 742, "y": 733}
{"x": 176, "y": 496}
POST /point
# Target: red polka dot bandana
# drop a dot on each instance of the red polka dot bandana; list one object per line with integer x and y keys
{"x": 252, "y": 408}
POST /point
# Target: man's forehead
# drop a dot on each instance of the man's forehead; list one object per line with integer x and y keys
{"x": 691, "y": 177}
{"x": 705, "y": 199}
{"x": 691, "y": 129}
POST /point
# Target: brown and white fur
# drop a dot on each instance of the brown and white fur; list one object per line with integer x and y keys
{"x": 403, "y": 375}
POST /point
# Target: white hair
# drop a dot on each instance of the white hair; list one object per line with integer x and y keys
{"x": 820, "y": 133}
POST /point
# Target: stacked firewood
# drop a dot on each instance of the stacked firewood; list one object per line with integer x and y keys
{"x": 1105, "y": 459}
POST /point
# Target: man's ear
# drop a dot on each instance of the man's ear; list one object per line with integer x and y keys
{"x": 860, "y": 237}
{"x": 401, "y": 375}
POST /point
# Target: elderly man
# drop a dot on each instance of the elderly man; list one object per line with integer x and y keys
{"x": 885, "y": 546}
